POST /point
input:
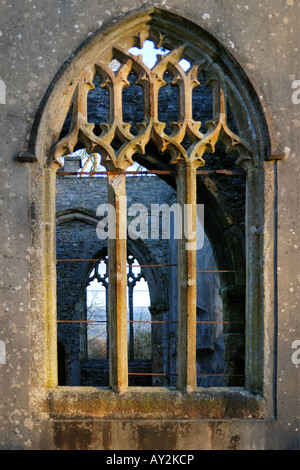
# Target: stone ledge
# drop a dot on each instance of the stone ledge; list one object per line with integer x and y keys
{"x": 150, "y": 403}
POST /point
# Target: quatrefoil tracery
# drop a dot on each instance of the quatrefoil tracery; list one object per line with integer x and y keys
{"x": 151, "y": 128}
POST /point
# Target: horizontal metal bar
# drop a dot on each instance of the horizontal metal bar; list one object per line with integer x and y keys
{"x": 220, "y": 271}
{"x": 152, "y": 265}
{"x": 198, "y": 321}
{"x": 147, "y": 373}
{"x": 220, "y": 375}
{"x": 81, "y": 321}
{"x": 148, "y": 172}
{"x": 150, "y": 321}
{"x": 149, "y": 265}
{"x": 128, "y": 265}
{"x": 79, "y": 259}
{"x": 117, "y": 172}
{"x": 198, "y": 375}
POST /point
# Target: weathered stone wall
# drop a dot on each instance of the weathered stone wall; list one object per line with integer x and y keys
{"x": 37, "y": 38}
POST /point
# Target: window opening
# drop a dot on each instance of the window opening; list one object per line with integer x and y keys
{"x": 139, "y": 321}
{"x": 138, "y": 310}
{"x": 97, "y": 105}
{"x": 168, "y": 103}
{"x": 182, "y": 147}
{"x": 61, "y": 363}
{"x": 149, "y": 53}
{"x": 133, "y": 107}
{"x": 97, "y": 313}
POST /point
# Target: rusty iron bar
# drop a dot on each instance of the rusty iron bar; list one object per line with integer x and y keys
{"x": 198, "y": 321}
{"x": 81, "y": 321}
{"x": 111, "y": 172}
{"x": 150, "y": 172}
{"x": 220, "y": 271}
{"x": 150, "y": 321}
{"x": 198, "y": 375}
{"x": 151, "y": 265}
{"x": 128, "y": 265}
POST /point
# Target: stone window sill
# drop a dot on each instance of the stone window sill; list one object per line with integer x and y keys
{"x": 154, "y": 403}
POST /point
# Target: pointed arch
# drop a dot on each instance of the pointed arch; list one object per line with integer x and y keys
{"x": 253, "y": 129}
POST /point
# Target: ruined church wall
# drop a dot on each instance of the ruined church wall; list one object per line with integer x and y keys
{"x": 36, "y": 38}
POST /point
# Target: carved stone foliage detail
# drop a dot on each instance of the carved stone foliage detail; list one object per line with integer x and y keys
{"x": 185, "y": 144}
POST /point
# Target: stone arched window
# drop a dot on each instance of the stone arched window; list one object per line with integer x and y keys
{"x": 182, "y": 147}
{"x": 98, "y": 311}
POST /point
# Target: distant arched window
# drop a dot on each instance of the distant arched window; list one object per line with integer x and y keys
{"x": 139, "y": 317}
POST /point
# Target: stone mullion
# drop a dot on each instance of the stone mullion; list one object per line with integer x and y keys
{"x": 117, "y": 245}
{"x": 116, "y": 90}
{"x": 115, "y": 127}
{"x": 84, "y": 88}
{"x": 154, "y": 87}
{"x": 117, "y": 287}
{"x": 185, "y": 87}
{"x": 187, "y": 290}
{"x": 186, "y": 102}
